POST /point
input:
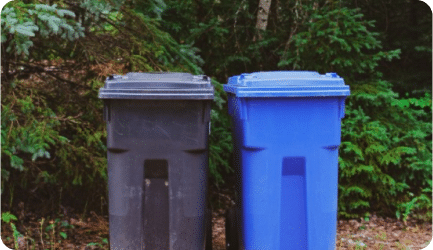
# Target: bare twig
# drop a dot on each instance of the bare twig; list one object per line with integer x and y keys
{"x": 41, "y": 69}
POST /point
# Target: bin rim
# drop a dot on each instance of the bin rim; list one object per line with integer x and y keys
{"x": 286, "y": 84}
{"x": 158, "y": 85}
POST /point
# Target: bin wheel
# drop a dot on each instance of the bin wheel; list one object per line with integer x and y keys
{"x": 232, "y": 240}
{"x": 208, "y": 229}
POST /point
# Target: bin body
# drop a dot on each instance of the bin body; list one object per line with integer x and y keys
{"x": 286, "y": 130}
{"x": 157, "y": 143}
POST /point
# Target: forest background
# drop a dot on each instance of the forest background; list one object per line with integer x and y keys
{"x": 56, "y": 54}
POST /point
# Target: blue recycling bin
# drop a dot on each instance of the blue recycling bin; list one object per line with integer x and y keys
{"x": 286, "y": 132}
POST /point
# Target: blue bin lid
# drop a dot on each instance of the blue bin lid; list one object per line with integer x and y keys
{"x": 287, "y": 84}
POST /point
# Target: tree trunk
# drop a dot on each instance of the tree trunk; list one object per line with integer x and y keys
{"x": 414, "y": 20}
{"x": 262, "y": 16}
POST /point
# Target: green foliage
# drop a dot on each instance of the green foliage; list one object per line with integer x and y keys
{"x": 220, "y": 140}
{"x": 411, "y": 32}
{"x": 139, "y": 41}
{"x": 97, "y": 244}
{"x": 152, "y": 8}
{"x": 385, "y": 157}
{"x": 7, "y": 217}
{"x": 218, "y": 28}
{"x": 40, "y": 134}
{"x": 63, "y": 235}
{"x": 386, "y": 140}
{"x": 20, "y": 22}
{"x": 53, "y": 135}
{"x": 95, "y": 10}
{"x": 335, "y": 40}
{"x": 28, "y": 130}
{"x": 59, "y": 226}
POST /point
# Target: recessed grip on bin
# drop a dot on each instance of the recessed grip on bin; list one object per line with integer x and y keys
{"x": 106, "y": 114}
{"x": 205, "y": 112}
{"x": 156, "y": 205}
{"x": 341, "y": 107}
{"x": 293, "y": 166}
{"x": 293, "y": 227}
{"x": 156, "y": 169}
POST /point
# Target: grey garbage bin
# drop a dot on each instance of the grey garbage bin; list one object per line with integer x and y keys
{"x": 157, "y": 141}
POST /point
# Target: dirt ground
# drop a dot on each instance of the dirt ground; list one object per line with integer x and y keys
{"x": 73, "y": 231}
{"x": 92, "y": 233}
{"x": 377, "y": 233}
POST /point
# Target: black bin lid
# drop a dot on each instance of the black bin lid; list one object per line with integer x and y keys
{"x": 167, "y": 85}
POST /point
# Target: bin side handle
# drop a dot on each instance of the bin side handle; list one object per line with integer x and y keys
{"x": 106, "y": 113}
{"x": 342, "y": 107}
